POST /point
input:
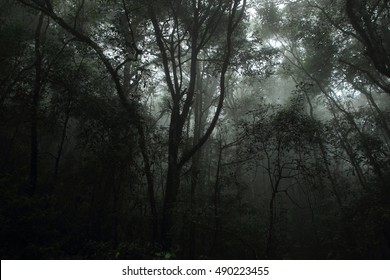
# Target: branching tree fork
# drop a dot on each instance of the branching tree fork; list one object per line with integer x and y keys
{"x": 183, "y": 43}
{"x": 205, "y": 17}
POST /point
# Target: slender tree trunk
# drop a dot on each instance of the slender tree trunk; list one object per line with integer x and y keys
{"x": 217, "y": 202}
{"x": 274, "y": 181}
{"x": 270, "y": 238}
{"x": 62, "y": 141}
{"x": 33, "y": 178}
{"x": 195, "y": 161}
{"x": 192, "y": 227}
{"x": 315, "y": 230}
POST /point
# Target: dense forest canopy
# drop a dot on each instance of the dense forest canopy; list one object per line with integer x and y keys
{"x": 195, "y": 129}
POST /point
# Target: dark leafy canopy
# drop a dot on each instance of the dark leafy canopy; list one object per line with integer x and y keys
{"x": 370, "y": 19}
{"x": 196, "y": 129}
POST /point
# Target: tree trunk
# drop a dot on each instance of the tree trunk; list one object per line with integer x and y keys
{"x": 270, "y": 238}
{"x": 168, "y": 220}
{"x": 195, "y": 161}
{"x": 182, "y": 100}
{"x": 62, "y": 141}
{"x": 217, "y": 202}
{"x": 34, "y": 109}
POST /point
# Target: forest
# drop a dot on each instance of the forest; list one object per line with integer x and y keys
{"x": 195, "y": 129}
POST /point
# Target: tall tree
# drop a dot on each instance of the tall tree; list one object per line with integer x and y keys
{"x": 191, "y": 25}
{"x": 78, "y": 28}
